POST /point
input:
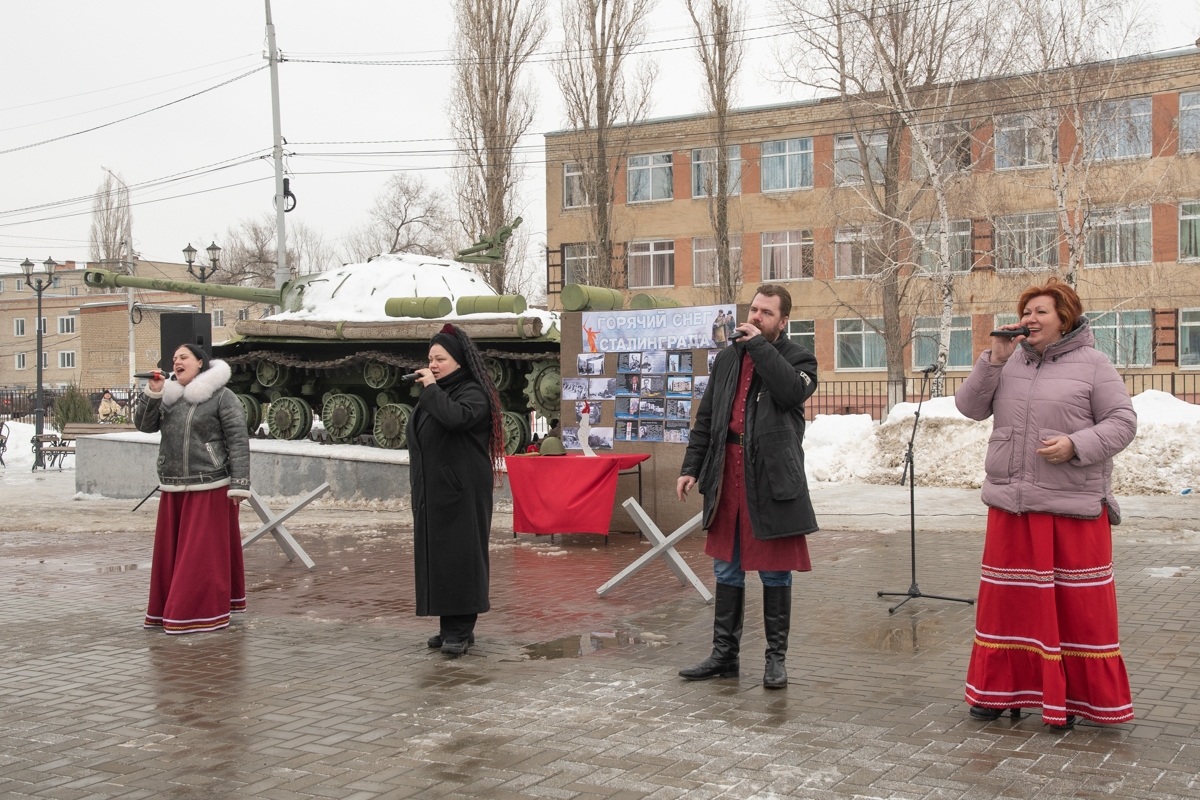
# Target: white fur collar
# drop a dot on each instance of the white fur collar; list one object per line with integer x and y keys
{"x": 202, "y": 387}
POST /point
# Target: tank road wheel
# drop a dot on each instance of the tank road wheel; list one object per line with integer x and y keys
{"x": 289, "y": 418}
{"x": 345, "y": 416}
{"x": 379, "y": 375}
{"x": 391, "y": 425}
{"x": 271, "y": 375}
{"x": 516, "y": 432}
{"x": 500, "y": 372}
{"x": 543, "y": 388}
{"x": 253, "y": 410}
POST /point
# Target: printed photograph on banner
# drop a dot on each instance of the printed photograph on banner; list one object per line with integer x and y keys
{"x": 600, "y": 438}
{"x": 590, "y": 363}
{"x": 679, "y": 409}
{"x": 627, "y": 408}
{"x": 677, "y": 433}
{"x": 650, "y": 430}
{"x": 629, "y": 362}
{"x": 628, "y": 385}
{"x": 654, "y": 361}
{"x": 574, "y": 388}
{"x": 679, "y": 387}
{"x": 593, "y": 413}
{"x": 679, "y": 362}
{"x": 570, "y": 438}
{"x": 724, "y": 326}
{"x": 627, "y": 431}
{"x": 699, "y": 384}
{"x": 602, "y": 388}
{"x": 652, "y": 407}
{"x": 654, "y": 385}
{"x": 712, "y": 356}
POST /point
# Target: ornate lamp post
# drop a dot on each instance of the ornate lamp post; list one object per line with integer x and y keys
{"x": 189, "y": 255}
{"x": 39, "y": 413}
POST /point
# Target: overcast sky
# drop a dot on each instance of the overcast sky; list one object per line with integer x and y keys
{"x": 74, "y": 65}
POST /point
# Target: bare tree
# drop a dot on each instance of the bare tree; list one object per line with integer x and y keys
{"x": 111, "y": 221}
{"x": 491, "y": 108}
{"x": 248, "y": 252}
{"x": 718, "y": 25}
{"x": 408, "y": 217}
{"x": 599, "y": 94}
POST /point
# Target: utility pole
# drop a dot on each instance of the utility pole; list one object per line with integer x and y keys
{"x": 282, "y": 273}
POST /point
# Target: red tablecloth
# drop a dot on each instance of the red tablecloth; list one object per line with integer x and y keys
{"x": 566, "y": 494}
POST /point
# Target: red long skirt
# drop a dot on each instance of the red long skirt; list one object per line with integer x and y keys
{"x": 196, "y": 579}
{"x": 1046, "y": 624}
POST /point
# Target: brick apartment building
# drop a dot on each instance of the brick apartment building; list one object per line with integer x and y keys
{"x": 86, "y": 331}
{"x": 798, "y": 221}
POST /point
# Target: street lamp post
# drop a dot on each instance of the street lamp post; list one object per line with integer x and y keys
{"x": 189, "y": 255}
{"x": 39, "y": 413}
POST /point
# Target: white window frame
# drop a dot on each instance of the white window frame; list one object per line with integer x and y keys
{"x": 704, "y": 259}
{"x": 654, "y": 162}
{"x": 1016, "y": 233}
{"x": 20, "y": 284}
{"x": 804, "y": 333}
{"x": 795, "y": 159}
{"x": 928, "y": 329}
{"x": 1028, "y": 130}
{"x": 18, "y": 327}
{"x": 659, "y": 258}
{"x": 1, "y": 285}
{"x": 848, "y": 265}
{"x": 218, "y": 318}
{"x": 1123, "y": 225}
{"x": 73, "y": 291}
{"x": 19, "y": 361}
{"x": 573, "y": 185}
{"x": 1100, "y": 324}
{"x": 66, "y": 325}
{"x": 56, "y": 282}
{"x": 66, "y": 359}
{"x": 847, "y": 170}
{"x": 1189, "y": 212}
{"x": 243, "y": 314}
{"x": 45, "y": 326}
{"x": 578, "y": 253}
{"x": 843, "y": 328}
{"x": 1189, "y": 122}
{"x": 45, "y": 359}
{"x": 704, "y": 169}
{"x": 1110, "y": 122}
{"x": 797, "y": 251}
{"x": 927, "y": 244}
{"x": 951, "y": 145}
{"x": 1188, "y": 318}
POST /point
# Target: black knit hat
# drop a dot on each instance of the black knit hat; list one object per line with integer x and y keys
{"x": 447, "y": 337}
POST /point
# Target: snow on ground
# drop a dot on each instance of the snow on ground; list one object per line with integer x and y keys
{"x": 949, "y": 451}
{"x": 19, "y": 454}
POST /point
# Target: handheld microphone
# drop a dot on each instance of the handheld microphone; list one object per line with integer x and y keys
{"x": 928, "y": 369}
{"x": 155, "y": 374}
{"x": 733, "y": 337}
{"x": 1011, "y": 334}
{"x": 412, "y": 376}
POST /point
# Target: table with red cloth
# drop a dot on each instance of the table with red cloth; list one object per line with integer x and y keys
{"x": 566, "y": 494}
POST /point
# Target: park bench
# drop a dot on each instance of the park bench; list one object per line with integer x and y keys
{"x": 55, "y": 448}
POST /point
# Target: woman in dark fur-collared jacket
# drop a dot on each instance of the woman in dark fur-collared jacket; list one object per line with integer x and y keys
{"x": 204, "y": 473}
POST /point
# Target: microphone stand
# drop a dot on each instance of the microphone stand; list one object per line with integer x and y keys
{"x": 910, "y": 473}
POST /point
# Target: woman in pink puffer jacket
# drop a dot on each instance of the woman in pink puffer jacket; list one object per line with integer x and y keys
{"x": 1046, "y": 625}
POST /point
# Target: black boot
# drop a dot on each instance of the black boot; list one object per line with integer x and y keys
{"x": 777, "y": 619}
{"x": 729, "y": 609}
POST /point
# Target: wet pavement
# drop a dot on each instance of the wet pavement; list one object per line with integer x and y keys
{"x": 326, "y": 689}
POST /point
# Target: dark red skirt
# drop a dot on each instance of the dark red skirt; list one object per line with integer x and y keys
{"x": 1046, "y": 624}
{"x": 196, "y": 579}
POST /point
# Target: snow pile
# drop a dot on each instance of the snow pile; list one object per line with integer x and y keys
{"x": 19, "y": 454}
{"x": 840, "y": 448}
{"x": 1165, "y": 456}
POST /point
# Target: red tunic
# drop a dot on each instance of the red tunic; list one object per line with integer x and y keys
{"x": 774, "y": 555}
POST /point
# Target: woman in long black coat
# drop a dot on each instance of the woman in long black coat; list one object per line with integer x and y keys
{"x": 455, "y": 445}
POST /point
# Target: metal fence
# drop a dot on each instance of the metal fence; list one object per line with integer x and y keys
{"x": 19, "y": 404}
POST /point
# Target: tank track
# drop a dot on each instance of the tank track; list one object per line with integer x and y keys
{"x": 361, "y": 358}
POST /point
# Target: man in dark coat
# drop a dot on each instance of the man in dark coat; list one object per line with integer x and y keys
{"x": 746, "y": 455}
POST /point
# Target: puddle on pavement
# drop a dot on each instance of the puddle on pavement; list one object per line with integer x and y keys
{"x": 581, "y": 645}
{"x": 70, "y": 566}
{"x": 904, "y": 638}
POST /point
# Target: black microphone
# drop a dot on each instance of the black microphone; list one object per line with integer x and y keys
{"x": 928, "y": 369}
{"x": 412, "y": 376}
{"x": 155, "y": 374}
{"x": 733, "y": 337}
{"x": 1011, "y": 334}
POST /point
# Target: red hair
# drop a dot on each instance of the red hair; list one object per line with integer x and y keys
{"x": 1066, "y": 303}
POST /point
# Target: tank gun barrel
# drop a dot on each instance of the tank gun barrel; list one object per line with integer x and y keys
{"x": 102, "y": 278}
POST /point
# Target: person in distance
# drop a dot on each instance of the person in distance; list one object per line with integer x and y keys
{"x": 1046, "y": 624}
{"x": 455, "y": 448}
{"x": 110, "y": 409}
{"x": 746, "y": 449}
{"x": 196, "y": 579}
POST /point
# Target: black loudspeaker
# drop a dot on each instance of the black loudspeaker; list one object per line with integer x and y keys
{"x": 177, "y": 329}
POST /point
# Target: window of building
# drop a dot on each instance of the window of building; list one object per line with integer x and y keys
{"x": 1189, "y": 231}
{"x": 66, "y": 324}
{"x": 928, "y": 246}
{"x": 1120, "y": 128}
{"x": 45, "y": 360}
{"x": 45, "y": 327}
{"x": 1126, "y": 337}
{"x": 573, "y": 193}
{"x": 1189, "y": 122}
{"x": 1189, "y": 338}
{"x": 787, "y": 255}
{"x": 786, "y": 164}
{"x": 579, "y": 263}
{"x": 1027, "y": 241}
{"x": 20, "y": 285}
{"x": 18, "y": 327}
{"x": 57, "y": 282}
{"x": 1025, "y": 140}
{"x": 847, "y": 160}
{"x": 20, "y": 361}
{"x": 855, "y": 253}
{"x": 926, "y": 331}
{"x": 649, "y": 178}
{"x": 704, "y": 170}
{"x": 1, "y": 286}
{"x": 243, "y": 314}
{"x": 218, "y": 318}
{"x": 651, "y": 264}
{"x": 1005, "y": 319}
{"x": 73, "y": 291}
{"x": 804, "y": 333}
{"x": 1119, "y": 237}
{"x": 704, "y": 260}
{"x": 950, "y": 146}
{"x": 859, "y": 344}
{"x": 66, "y": 359}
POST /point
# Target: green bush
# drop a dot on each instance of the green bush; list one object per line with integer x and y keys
{"x": 73, "y": 406}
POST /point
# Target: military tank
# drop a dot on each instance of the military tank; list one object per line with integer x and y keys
{"x": 345, "y": 337}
